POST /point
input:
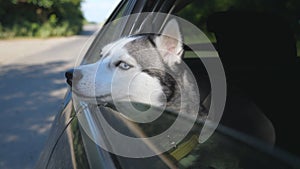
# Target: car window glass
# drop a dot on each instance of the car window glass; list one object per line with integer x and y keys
{"x": 198, "y": 12}
{"x": 221, "y": 151}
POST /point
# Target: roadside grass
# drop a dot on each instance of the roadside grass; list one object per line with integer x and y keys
{"x": 35, "y": 30}
{"x": 51, "y": 28}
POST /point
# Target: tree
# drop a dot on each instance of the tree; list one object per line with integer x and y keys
{"x": 40, "y": 17}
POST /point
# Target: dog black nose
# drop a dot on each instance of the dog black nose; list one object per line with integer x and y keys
{"x": 69, "y": 76}
{"x": 73, "y": 75}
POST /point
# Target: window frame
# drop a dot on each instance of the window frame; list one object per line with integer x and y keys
{"x": 134, "y": 6}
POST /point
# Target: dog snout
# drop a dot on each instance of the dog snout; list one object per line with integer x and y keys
{"x": 73, "y": 75}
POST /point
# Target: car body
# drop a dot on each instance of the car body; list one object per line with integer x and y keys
{"x": 257, "y": 47}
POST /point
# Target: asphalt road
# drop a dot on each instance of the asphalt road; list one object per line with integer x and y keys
{"x": 32, "y": 87}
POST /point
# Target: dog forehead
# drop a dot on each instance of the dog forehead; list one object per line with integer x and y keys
{"x": 144, "y": 52}
{"x": 115, "y": 46}
{"x": 138, "y": 48}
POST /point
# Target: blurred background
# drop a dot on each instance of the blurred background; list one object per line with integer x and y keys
{"x": 39, "y": 41}
{"x": 46, "y": 18}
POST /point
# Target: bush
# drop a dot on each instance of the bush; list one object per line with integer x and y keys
{"x": 46, "y": 18}
{"x": 45, "y": 30}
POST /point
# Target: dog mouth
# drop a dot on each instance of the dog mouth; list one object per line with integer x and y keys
{"x": 103, "y": 100}
{"x": 100, "y": 100}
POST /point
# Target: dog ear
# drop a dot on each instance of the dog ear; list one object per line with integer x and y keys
{"x": 169, "y": 43}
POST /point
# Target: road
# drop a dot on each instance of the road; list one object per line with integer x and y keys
{"x": 32, "y": 87}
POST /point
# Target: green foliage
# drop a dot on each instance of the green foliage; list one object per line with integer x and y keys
{"x": 40, "y": 18}
{"x": 204, "y": 8}
{"x": 289, "y": 9}
{"x": 42, "y": 3}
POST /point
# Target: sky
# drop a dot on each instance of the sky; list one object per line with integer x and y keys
{"x": 98, "y": 10}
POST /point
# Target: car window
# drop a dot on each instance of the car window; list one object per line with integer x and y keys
{"x": 256, "y": 41}
{"x": 227, "y": 148}
{"x": 198, "y": 12}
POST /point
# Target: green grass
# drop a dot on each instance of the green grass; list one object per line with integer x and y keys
{"x": 50, "y": 28}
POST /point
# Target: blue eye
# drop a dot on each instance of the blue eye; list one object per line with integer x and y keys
{"x": 123, "y": 65}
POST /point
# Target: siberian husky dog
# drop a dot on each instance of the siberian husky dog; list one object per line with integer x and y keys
{"x": 148, "y": 69}
{"x": 141, "y": 68}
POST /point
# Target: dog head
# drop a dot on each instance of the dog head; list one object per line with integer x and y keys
{"x": 135, "y": 68}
